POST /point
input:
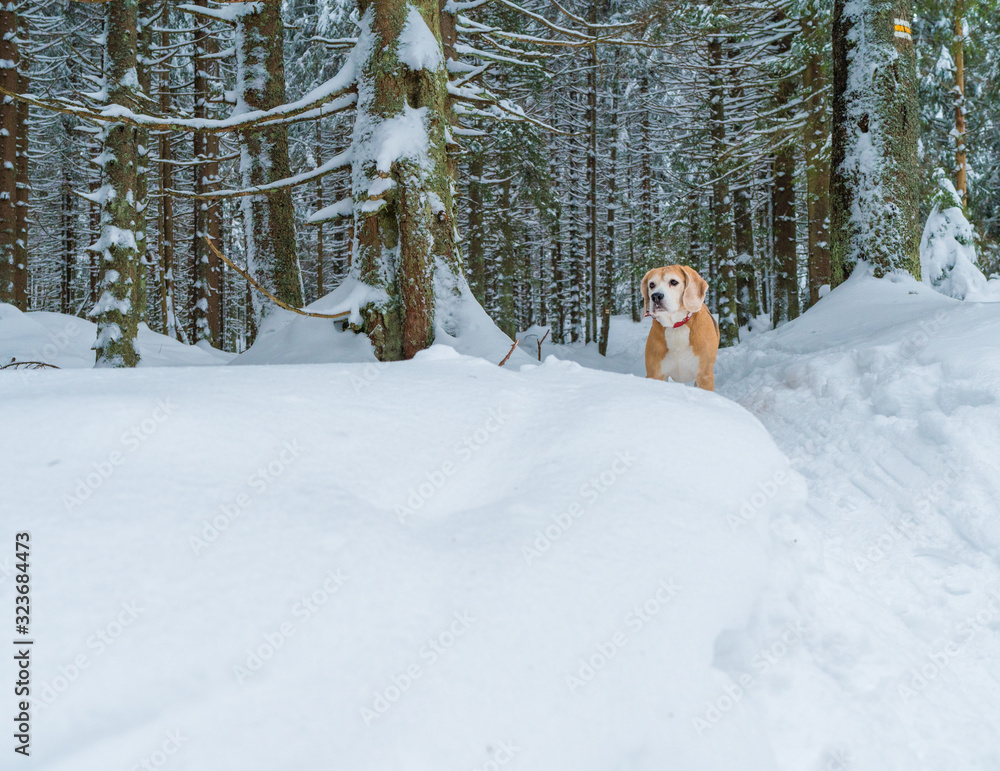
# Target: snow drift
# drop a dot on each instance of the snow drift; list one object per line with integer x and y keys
{"x": 431, "y": 564}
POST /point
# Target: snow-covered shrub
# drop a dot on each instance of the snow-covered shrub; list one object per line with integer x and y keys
{"x": 948, "y": 248}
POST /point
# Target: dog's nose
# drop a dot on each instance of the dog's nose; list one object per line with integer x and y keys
{"x": 657, "y": 297}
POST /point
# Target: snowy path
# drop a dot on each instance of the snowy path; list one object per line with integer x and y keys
{"x": 885, "y": 399}
{"x": 892, "y": 573}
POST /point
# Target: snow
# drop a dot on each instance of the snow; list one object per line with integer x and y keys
{"x": 418, "y": 48}
{"x": 442, "y": 563}
{"x": 67, "y": 342}
{"x": 288, "y": 338}
{"x": 372, "y": 558}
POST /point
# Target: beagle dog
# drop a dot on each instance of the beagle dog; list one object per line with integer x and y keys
{"x": 684, "y": 338}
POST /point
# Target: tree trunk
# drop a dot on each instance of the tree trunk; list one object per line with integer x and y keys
{"x": 747, "y": 294}
{"x": 403, "y": 209}
{"x": 476, "y": 261}
{"x": 958, "y": 54}
{"x": 69, "y": 245}
{"x": 9, "y": 61}
{"x": 725, "y": 249}
{"x": 592, "y": 181}
{"x": 23, "y": 181}
{"x": 268, "y": 220}
{"x": 117, "y": 310}
{"x": 320, "y": 203}
{"x": 786, "y": 283}
{"x": 165, "y": 232}
{"x": 144, "y": 60}
{"x": 607, "y": 299}
{"x": 817, "y": 130}
{"x": 874, "y": 192}
{"x": 206, "y": 306}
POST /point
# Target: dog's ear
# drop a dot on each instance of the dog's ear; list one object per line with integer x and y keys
{"x": 695, "y": 289}
{"x": 644, "y": 286}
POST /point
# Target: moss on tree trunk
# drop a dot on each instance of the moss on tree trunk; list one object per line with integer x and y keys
{"x": 403, "y": 209}
{"x": 116, "y": 311}
{"x": 269, "y": 220}
{"x": 874, "y": 192}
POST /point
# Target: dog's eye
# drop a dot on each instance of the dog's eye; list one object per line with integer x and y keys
{"x": 652, "y": 284}
{"x": 674, "y": 282}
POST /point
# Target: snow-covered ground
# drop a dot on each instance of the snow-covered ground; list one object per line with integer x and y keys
{"x": 442, "y": 564}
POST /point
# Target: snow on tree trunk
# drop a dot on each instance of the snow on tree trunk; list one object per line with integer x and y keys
{"x": 116, "y": 310}
{"x": 403, "y": 213}
{"x": 268, "y": 220}
{"x": 8, "y": 153}
{"x": 23, "y": 181}
{"x": 206, "y": 316}
{"x": 874, "y": 186}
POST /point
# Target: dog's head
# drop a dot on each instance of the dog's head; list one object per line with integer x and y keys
{"x": 673, "y": 291}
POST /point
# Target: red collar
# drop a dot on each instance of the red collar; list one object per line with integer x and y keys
{"x": 678, "y": 324}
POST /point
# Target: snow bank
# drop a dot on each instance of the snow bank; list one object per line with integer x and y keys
{"x": 67, "y": 342}
{"x": 288, "y": 338}
{"x": 423, "y": 565}
{"x": 886, "y": 397}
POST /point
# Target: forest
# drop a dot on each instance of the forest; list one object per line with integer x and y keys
{"x": 481, "y": 385}
{"x": 163, "y": 152}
